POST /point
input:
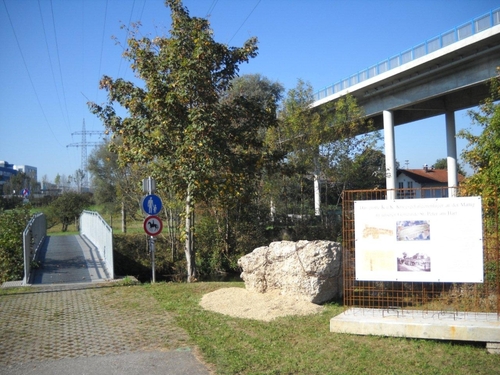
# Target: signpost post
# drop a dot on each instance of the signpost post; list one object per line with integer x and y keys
{"x": 151, "y": 205}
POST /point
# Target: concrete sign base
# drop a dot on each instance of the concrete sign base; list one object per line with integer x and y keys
{"x": 438, "y": 325}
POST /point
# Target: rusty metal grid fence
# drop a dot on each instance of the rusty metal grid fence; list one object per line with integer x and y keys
{"x": 426, "y": 296}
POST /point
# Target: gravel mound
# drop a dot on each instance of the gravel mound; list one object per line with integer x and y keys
{"x": 241, "y": 303}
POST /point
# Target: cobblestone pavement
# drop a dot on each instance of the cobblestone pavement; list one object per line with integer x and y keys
{"x": 58, "y": 323}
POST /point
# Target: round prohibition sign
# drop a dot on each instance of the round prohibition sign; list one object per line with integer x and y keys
{"x": 153, "y": 225}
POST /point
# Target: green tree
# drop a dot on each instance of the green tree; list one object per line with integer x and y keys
{"x": 368, "y": 170}
{"x": 68, "y": 207}
{"x": 16, "y": 183}
{"x": 443, "y": 164}
{"x": 178, "y": 121}
{"x": 57, "y": 180}
{"x": 229, "y": 227}
{"x": 482, "y": 152}
{"x": 79, "y": 179}
{"x": 116, "y": 187}
{"x": 102, "y": 164}
{"x": 323, "y": 142}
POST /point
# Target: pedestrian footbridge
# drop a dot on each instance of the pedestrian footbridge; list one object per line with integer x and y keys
{"x": 68, "y": 259}
{"x": 83, "y": 258}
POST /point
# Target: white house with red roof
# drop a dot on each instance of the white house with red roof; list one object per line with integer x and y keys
{"x": 423, "y": 183}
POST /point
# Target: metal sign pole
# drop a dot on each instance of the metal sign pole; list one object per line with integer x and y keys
{"x": 152, "y": 248}
{"x": 150, "y": 185}
{"x": 151, "y": 205}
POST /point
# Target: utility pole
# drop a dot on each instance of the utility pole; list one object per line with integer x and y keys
{"x": 84, "y": 144}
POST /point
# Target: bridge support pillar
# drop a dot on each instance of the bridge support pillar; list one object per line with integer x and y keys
{"x": 390, "y": 155}
{"x": 317, "y": 196}
{"x": 451, "y": 145}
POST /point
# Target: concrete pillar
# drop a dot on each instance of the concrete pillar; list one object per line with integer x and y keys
{"x": 317, "y": 196}
{"x": 451, "y": 145}
{"x": 390, "y": 155}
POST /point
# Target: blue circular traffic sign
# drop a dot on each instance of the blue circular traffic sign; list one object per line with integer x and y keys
{"x": 151, "y": 204}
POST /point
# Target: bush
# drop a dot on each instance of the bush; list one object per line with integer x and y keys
{"x": 132, "y": 258}
{"x": 222, "y": 237}
{"x": 12, "y": 225}
{"x": 68, "y": 206}
{"x": 8, "y": 203}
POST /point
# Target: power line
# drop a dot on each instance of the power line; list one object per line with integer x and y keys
{"x": 212, "y": 6}
{"x": 126, "y": 37}
{"x": 28, "y": 72}
{"x": 249, "y": 14}
{"x": 51, "y": 64}
{"x": 59, "y": 61}
{"x": 102, "y": 47}
{"x": 142, "y": 10}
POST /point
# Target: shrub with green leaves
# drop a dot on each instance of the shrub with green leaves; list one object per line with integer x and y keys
{"x": 12, "y": 225}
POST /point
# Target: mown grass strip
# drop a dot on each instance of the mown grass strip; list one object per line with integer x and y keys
{"x": 304, "y": 345}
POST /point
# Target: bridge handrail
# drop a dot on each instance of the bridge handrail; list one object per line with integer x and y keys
{"x": 95, "y": 228}
{"x": 33, "y": 237}
{"x": 476, "y": 25}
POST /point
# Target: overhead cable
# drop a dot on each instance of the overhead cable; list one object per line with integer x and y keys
{"x": 249, "y": 14}
{"x": 28, "y": 72}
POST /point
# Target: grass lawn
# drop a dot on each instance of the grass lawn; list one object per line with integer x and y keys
{"x": 133, "y": 226}
{"x": 304, "y": 345}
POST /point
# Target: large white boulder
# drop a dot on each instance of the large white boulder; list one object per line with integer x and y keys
{"x": 308, "y": 269}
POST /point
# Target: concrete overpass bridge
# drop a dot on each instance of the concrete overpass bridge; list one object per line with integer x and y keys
{"x": 439, "y": 76}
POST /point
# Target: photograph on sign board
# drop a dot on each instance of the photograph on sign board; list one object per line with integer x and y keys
{"x": 418, "y": 262}
{"x": 376, "y": 232}
{"x": 380, "y": 260}
{"x": 413, "y": 230}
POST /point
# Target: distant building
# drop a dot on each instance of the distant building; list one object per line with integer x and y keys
{"x": 6, "y": 170}
{"x": 48, "y": 188}
{"x": 30, "y": 171}
{"x": 423, "y": 183}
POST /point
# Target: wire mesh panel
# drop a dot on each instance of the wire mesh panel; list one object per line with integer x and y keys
{"x": 429, "y": 296}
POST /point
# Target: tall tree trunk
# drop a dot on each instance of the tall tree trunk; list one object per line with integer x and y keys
{"x": 124, "y": 218}
{"x": 189, "y": 249}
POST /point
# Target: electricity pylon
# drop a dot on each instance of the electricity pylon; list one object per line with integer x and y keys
{"x": 84, "y": 144}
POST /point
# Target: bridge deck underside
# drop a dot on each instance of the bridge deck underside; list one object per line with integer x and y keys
{"x": 432, "y": 86}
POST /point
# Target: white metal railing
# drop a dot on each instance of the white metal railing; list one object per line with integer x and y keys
{"x": 457, "y": 34}
{"x": 33, "y": 237}
{"x": 95, "y": 228}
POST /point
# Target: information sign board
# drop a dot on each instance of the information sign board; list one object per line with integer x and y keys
{"x": 428, "y": 240}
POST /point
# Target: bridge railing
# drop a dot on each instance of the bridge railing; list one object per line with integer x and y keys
{"x": 457, "y": 34}
{"x": 95, "y": 228}
{"x": 33, "y": 237}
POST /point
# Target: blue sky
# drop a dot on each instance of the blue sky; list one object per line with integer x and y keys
{"x": 55, "y": 51}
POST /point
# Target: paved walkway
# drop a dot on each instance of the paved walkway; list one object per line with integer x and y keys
{"x": 91, "y": 330}
{"x": 73, "y": 321}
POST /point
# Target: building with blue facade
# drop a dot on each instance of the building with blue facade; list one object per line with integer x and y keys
{"x": 6, "y": 170}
